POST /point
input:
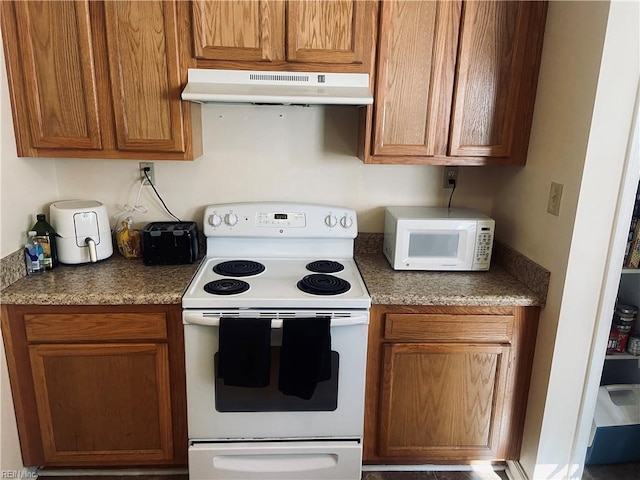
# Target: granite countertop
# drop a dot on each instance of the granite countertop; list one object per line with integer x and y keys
{"x": 118, "y": 281}
{"x": 114, "y": 281}
{"x": 390, "y": 287}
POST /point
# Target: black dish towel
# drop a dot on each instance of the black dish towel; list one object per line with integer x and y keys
{"x": 305, "y": 357}
{"x": 244, "y": 352}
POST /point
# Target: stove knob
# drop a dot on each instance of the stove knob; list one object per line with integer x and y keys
{"x": 346, "y": 221}
{"x": 215, "y": 220}
{"x": 231, "y": 219}
{"x": 330, "y": 220}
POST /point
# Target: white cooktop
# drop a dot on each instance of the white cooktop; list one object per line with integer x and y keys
{"x": 276, "y": 287}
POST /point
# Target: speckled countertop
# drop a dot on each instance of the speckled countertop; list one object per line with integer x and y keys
{"x": 390, "y": 287}
{"x": 114, "y": 281}
{"x": 117, "y": 281}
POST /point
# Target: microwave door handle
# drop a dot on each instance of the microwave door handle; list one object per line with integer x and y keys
{"x": 214, "y": 321}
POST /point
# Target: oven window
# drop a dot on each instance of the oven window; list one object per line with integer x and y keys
{"x": 442, "y": 245}
{"x": 270, "y": 399}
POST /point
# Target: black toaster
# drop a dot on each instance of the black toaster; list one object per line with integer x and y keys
{"x": 169, "y": 243}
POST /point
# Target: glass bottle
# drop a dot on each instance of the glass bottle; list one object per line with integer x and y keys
{"x": 43, "y": 229}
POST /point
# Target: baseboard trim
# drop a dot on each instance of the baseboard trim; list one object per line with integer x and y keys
{"x": 515, "y": 471}
{"x": 433, "y": 468}
{"x": 74, "y": 472}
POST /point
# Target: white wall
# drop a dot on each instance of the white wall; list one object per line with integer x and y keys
{"x": 258, "y": 153}
{"x": 579, "y": 139}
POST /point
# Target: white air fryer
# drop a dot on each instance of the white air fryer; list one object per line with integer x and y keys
{"x": 83, "y": 229}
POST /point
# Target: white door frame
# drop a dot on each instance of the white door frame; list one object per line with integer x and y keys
{"x": 615, "y": 255}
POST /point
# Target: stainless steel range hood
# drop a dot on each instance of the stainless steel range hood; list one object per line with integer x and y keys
{"x": 281, "y": 88}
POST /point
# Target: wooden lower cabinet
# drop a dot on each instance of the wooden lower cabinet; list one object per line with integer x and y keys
{"x": 447, "y": 384}
{"x": 97, "y": 386}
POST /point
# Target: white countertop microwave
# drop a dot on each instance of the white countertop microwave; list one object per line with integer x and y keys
{"x": 438, "y": 238}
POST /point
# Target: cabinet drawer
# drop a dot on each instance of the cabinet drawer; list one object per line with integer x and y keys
{"x": 55, "y": 327}
{"x": 443, "y": 327}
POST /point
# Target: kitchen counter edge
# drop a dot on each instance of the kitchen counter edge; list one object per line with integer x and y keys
{"x": 495, "y": 287}
{"x": 114, "y": 281}
{"x": 118, "y": 281}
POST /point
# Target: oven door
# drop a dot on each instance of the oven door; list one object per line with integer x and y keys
{"x": 219, "y": 412}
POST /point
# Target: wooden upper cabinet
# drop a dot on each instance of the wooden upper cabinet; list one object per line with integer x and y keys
{"x": 238, "y": 30}
{"x": 489, "y": 78}
{"x": 326, "y": 31}
{"x": 99, "y": 79}
{"x": 307, "y": 35}
{"x": 58, "y": 72}
{"x": 145, "y": 75}
{"x": 456, "y": 82}
{"x": 416, "y": 62}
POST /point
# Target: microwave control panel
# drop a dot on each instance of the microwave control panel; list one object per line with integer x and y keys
{"x": 484, "y": 244}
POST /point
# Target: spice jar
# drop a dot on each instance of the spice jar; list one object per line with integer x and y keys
{"x": 624, "y": 317}
{"x": 633, "y": 344}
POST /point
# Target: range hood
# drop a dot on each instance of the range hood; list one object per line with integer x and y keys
{"x": 281, "y": 88}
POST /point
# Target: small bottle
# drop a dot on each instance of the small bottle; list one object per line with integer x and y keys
{"x": 33, "y": 254}
{"x": 43, "y": 229}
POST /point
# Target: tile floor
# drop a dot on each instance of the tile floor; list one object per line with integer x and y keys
{"x": 622, "y": 471}
{"x": 499, "y": 475}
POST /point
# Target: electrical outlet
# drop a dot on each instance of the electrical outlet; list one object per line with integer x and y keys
{"x": 555, "y": 195}
{"x": 150, "y": 172}
{"x": 449, "y": 173}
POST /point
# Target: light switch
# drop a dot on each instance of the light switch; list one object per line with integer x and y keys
{"x": 555, "y": 195}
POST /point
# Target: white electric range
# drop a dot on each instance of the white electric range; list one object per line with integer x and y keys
{"x": 276, "y": 322}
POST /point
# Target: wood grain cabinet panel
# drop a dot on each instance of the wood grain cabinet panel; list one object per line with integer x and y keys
{"x": 456, "y": 82}
{"x": 238, "y": 30}
{"x": 97, "y": 402}
{"x": 285, "y": 35}
{"x": 145, "y": 75}
{"x": 99, "y": 79}
{"x": 490, "y": 70}
{"x": 417, "y": 55}
{"x": 58, "y": 71}
{"x": 97, "y": 386}
{"x": 437, "y": 398}
{"x": 327, "y": 31}
{"x": 438, "y": 391}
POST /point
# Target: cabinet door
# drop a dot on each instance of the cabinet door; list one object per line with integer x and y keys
{"x": 145, "y": 75}
{"x": 442, "y": 401}
{"x": 103, "y": 402}
{"x": 416, "y": 65}
{"x": 326, "y": 31}
{"x": 493, "y": 76}
{"x": 245, "y": 30}
{"x": 54, "y": 64}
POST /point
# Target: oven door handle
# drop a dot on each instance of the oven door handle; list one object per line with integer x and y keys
{"x": 214, "y": 321}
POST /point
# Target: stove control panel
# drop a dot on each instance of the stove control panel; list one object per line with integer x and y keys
{"x": 279, "y": 219}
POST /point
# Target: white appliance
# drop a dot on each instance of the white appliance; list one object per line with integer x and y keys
{"x": 288, "y": 88}
{"x": 286, "y": 270}
{"x": 83, "y": 231}
{"x": 435, "y": 238}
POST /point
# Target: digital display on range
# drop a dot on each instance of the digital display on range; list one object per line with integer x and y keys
{"x": 280, "y": 216}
